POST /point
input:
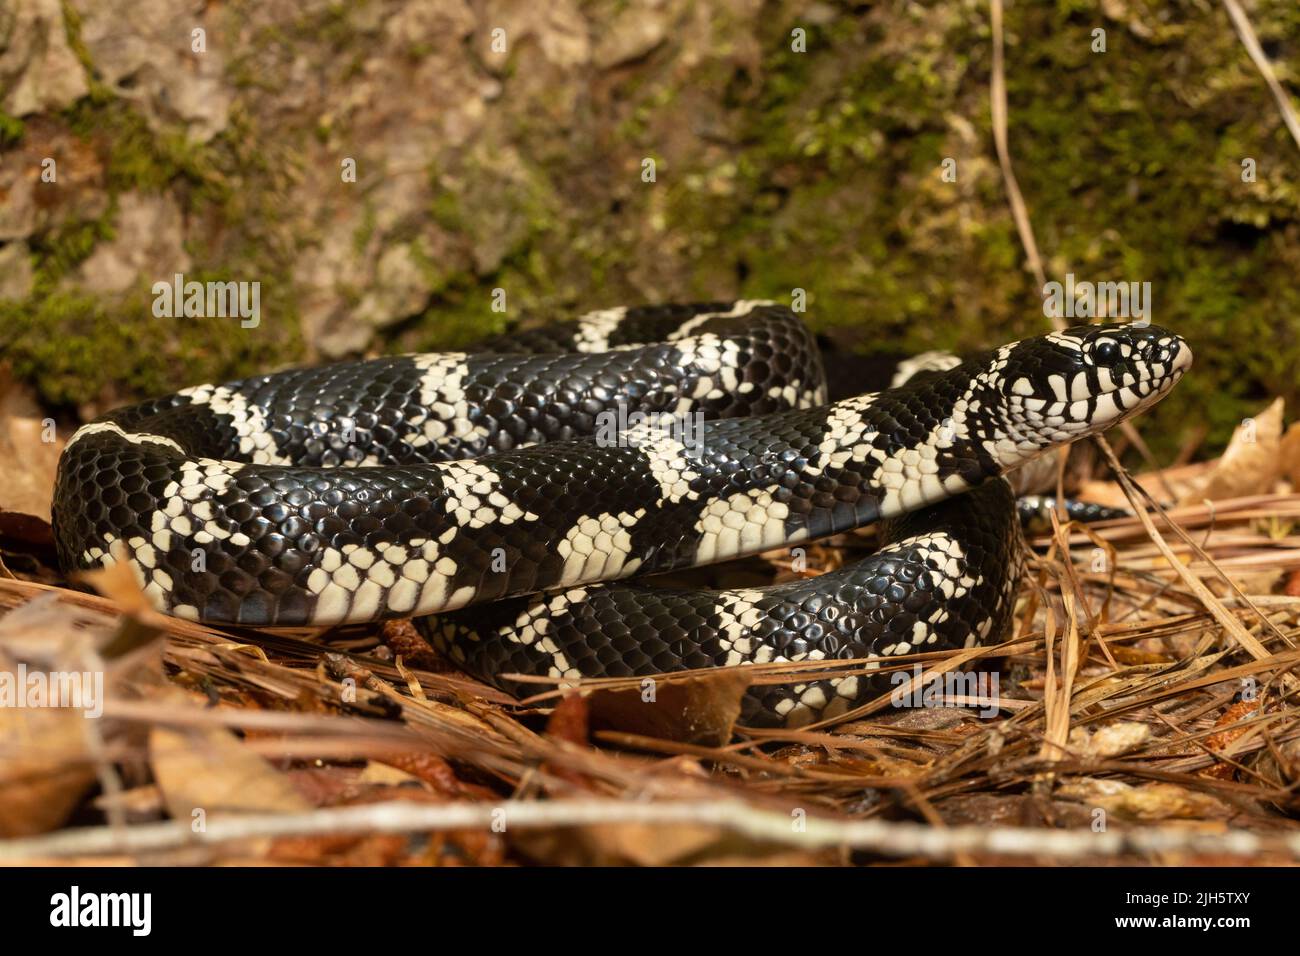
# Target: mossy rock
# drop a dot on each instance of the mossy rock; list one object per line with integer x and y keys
{"x": 776, "y": 170}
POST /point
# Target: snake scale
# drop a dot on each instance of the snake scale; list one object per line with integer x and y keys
{"x": 507, "y": 491}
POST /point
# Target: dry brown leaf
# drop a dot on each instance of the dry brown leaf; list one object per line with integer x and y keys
{"x": 26, "y": 528}
{"x": 699, "y": 709}
{"x": 27, "y": 484}
{"x": 1289, "y": 455}
{"x": 45, "y": 753}
{"x": 212, "y": 771}
{"x": 1250, "y": 465}
{"x": 381, "y": 774}
{"x": 117, "y": 583}
{"x": 617, "y": 844}
{"x": 44, "y": 768}
{"x": 568, "y": 721}
{"x": 435, "y": 772}
{"x": 1217, "y": 743}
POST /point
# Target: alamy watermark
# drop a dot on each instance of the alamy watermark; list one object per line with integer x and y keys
{"x": 81, "y": 690}
{"x": 1092, "y": 300}
{"x": 198, "y": 300}
{"x": 950, "y": 689}
{"x": 619, "y": 428}
{"x": 133, "y": 911}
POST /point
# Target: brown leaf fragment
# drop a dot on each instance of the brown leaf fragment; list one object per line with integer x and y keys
{"x": 26, "y": 529}
{"x": 617, "y": 844}
{"x": 568, "y": 721}
{"x": 435, "y": 772}
{"x": 406, "y": 642}
{"x": 1147, "y": 802}
{"x": 117, "y": 583}
{"x": 52, "y": 690}
{"x": 44, "y": 768}
{"x": 27, "y": 483}
{"x": 212, "y": 771}
{"x": 377, "y": 773}
{"x": 1216, "y": 743}
{"x": 1251, "y": 463}
{"x": 700, "y": 709}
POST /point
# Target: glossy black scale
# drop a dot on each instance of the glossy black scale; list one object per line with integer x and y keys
{"x": 363, "y": 478}
{"x": 619, "y": 630}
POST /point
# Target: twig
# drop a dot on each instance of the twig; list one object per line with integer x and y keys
{"x": 1251, "y": 43}
{"x": 1019, "y": 211}
{"x": 1227, "y": 621}
{"x": 998, "y": 106}
{"x": 890, "y": 839}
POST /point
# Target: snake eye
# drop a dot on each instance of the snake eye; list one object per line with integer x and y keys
{"x": 1105, "y": 351}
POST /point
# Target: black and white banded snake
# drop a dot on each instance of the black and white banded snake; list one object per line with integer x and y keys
{"x": 518, "y": 478}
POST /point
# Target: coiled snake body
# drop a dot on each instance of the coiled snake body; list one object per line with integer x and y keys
{"x": 630, "y": 442}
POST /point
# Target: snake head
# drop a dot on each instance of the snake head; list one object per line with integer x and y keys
{"x": 1064, "y": 385}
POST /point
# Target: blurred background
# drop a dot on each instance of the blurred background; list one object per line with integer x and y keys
{"x": 380, "y": 167}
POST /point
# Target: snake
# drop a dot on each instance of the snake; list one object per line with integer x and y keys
{"x": 504, "y": 497}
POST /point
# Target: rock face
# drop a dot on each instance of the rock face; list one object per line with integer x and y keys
{"x": 158, "y": 53}
{"x": 38, "y": 70}
{"x": 394, "y": 173}
{"x": 146, "y": 240}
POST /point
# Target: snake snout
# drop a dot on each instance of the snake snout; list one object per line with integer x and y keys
{"x": 1135, "y": 367}
{"x": 1082, "y": 380}
{"x": 1150, "y": 351}
{"x": 1146, "y": 359}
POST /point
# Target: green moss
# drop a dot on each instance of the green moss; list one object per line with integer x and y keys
{"x": 1130, "y": 169}
{"x": 76, "y": 347}
{"x": 366, "y": 231}
{"x": 446, "y": 209}
{"x": 815, "y": 170}
{"x": 11, "y": 130}
{"x": 140, "y": 159}
{"x": 59, "y": 251}
{"x": 72, "y": 30}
